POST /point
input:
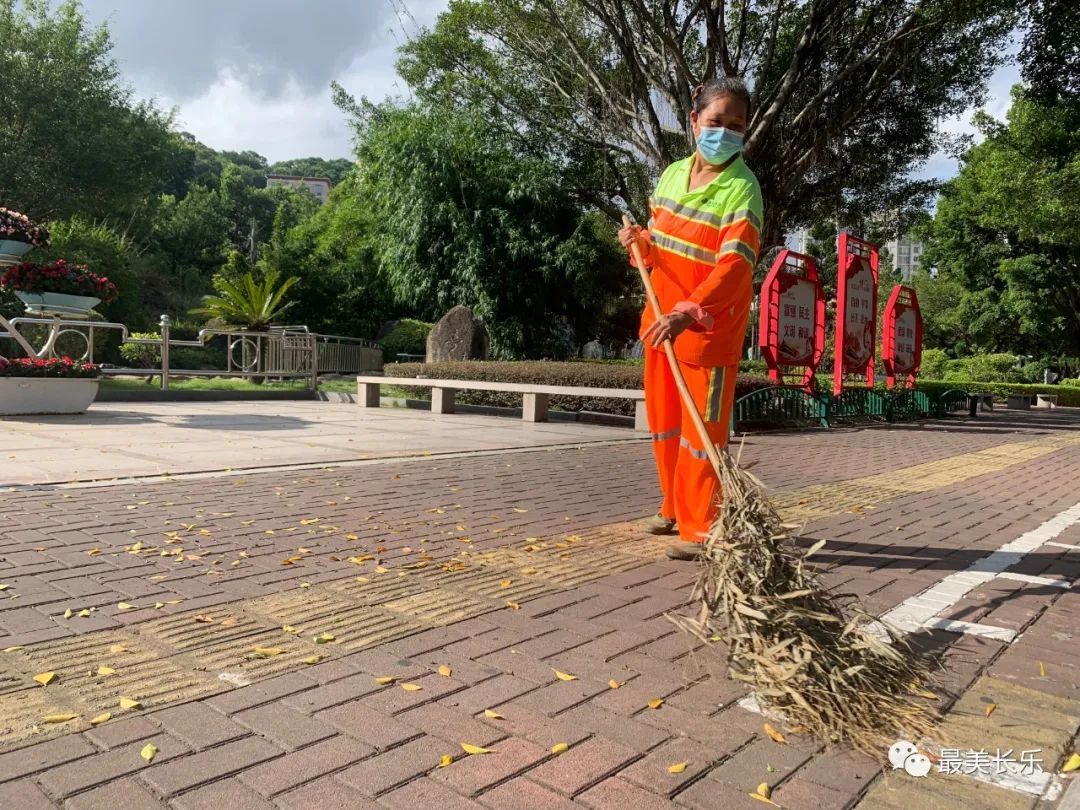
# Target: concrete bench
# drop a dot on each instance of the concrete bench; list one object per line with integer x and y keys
{"x": 1018, "y": 402}
{"x": 981, "y": 400}
{"x": 1046, "y": 400}
{"x": 535, "y": 397}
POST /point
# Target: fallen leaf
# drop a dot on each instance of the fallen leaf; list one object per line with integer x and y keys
{"x": 770, "y": 769}
{"x": 764, "y": 790}
{"x": 305, "y": 584}
{"x": 521, "y": 511}
{"x": 124, "y": 606}
{"x": 85, "y": 614}
{"x": 229, "y": 621}
{"x": 678, "y": 767}
{"x": 493, "y": 715}
{"x": 106, "y": 671}
{"x": 444, "y": 760}
{"x": 67, "y": 613}
{"x": 323, "y": 638}
{"x": 313, "y": 659}
{"x": 513, "y": 605}
{"x": 60, "y": 718}
{"x": 562, "y": 676}
{"x": 202, "y": 618}
{"x": 288, "y": 628}
{"x": 159, "y": 605}
{"x": 761, "y": 798}
{"x": 411, "y": 687}
{"x": 16, "y": 648}
{"x": 384, "y": 680}
{"x": 774, "y": 735}
{"x": 445, "y": 671}
{"x": 475, "y": 749}
{"x": 148, "y": 752}
{"x": 104, "y": 717}
{"x": 116, "y": 649}
{"x": 506, "y": 583}
{"x": 990, "y": 708}
{"x": 614, "y": 684}
{"x": 129, "y": 703}
{"x": 559, "y": 748}
{"x": 267, "y": 652}
{"x": 1071, "y": 764}
{"x": 655, "y": 703}
{"x": 1042, "y": 670}
{"x": 45, "y": 678}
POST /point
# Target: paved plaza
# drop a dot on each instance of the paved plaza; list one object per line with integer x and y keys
{"x": 313, "y": 605}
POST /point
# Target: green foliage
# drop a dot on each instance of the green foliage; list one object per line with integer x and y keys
{"x": 407, "y": 337}
{"x": 1007, "y": 233}
{"x": 142, "y": 355}
{"x": 250, "y": 302}
{"x": 986, "y": 367}
{"x": 335, "y": 170}
{"x": 72, "y": 139}
{"x": 933, "y": 362}
{"x": 457, "y": 216}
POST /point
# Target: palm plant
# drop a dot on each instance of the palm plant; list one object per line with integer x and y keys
{"x": 248, "y": 302}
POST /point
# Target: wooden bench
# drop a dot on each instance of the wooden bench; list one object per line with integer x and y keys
{"x": 1046, "y": 400}
{"x": 535, "y": 397}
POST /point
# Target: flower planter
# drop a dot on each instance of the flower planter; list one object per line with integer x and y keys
{"x": 24, "y": 396}
{"x": 11, "y": 252}
{"x": 48, "y": 303}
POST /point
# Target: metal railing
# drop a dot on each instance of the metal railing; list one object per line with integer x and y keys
{"x": 286, "y": 352}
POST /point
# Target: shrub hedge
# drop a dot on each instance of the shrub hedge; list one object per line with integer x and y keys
{"x": 592, "y": 375}
{"x": 408, "y": 337}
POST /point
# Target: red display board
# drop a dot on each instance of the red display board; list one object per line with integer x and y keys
{"x": 901, "y": 341}
{"x": 856, "y": 311}
{"x": 791, "y": 333}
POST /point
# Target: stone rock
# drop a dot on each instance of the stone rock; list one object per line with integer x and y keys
{"x": 459, "y": 335}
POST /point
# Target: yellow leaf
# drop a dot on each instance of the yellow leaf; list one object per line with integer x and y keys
{"x": 614, "y": 684}
{"x": 361, "y": 559}
{"x": 411, "y": 687}
{"x": 60, "y": 718}
{"x": 513, "y": 605}
{"x": 764, "y": 790}
{"x": 124, "y": 606}
{"x": 148, "y": 752}
{"x": 475, "y": 749}
{"x": 384, "y": 680}
{"x": 94, "y": 552}
{"x": 246, "y": 522}
{"x": 562, "y": 676}
{"x": 305, "y": 584}
{"x": 761, "y": 798}
{"x": 106, "y": 671}
{"x": 445, "y": 671}
{"x": 774, "y": 735}
{"x": 990, "y": 708}
{"x": 678, "y": 767}
{"x": 228, "y": 621}
{"x": 323, "y": 638}
{"x": 351, "y": 537}
{"x": 521, "y": 511}
{"x": 313, "y": 659}
{"x": 128, "y": 703}
{"x": 202, "y": 618}
{"x": 13, "y": 649}
{"x": 159, "y": 605}
{"x": 104, "y": 717}
{"x": 67, "y": 613}
{"x": 655, "y": 703}
{"x": 309, "y": 521}
{"x": 381, "y": 570}
{"x": 559, "y": 748}
{"x": 1071, "y": 764}
{"x": 45, "y": 678}
{"x": 118, "y": 648}
{"x": 269, "y": 531}
{"x": 445, "y": 759}
{"x": 506, "y": 583}
{"x": 84, "y": 614}
{"x": 267, "y": 652}
{"x": 1042, "y": 670}
{"x": 493, "y": 715}
{"x": 288, "y": 628}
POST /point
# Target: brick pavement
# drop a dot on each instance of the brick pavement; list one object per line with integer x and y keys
{"x": 589, "y": 598}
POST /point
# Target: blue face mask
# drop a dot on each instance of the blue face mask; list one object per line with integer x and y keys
{"x": 719, "y": 144}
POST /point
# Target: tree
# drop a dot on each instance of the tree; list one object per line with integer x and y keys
{"x": 335, "y": 170}
{"x": 1006, "y": 227}
{"x": 456, "y": 216}
{"x": 250, "y": 302}
{"x": 847, "y": 94}
{"x": 1050, "y": 56}
{"x": 72, "y": 140}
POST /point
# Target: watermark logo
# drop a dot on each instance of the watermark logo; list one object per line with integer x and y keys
{"x": 906, "y": 756}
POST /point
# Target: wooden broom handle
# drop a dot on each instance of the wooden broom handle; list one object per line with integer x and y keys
{"x": 673, "y": 362}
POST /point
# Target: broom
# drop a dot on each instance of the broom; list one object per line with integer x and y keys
{"x": 805, "y": 651}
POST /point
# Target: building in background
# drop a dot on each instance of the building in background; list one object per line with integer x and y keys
{"x": 798, "y": 241}
{"x": 906, "y": 255}
{"x": 319, "y": 186}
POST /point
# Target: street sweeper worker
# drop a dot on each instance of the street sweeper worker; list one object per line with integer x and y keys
{"x": 701, "y": 246}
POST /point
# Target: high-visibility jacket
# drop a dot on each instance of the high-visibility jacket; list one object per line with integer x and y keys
{"x": 702, "y": 247}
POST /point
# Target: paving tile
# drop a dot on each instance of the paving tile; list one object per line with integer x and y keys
{"x": 583, "y": 766}
{"x": 426, "y": 793}
{"x": 98, "y": 769}
{"x": 521, "y": 794}
{"x": 34, "y": 758}
{"x": 285, "y": 773}
{"x": 368, "y": 726}
{"x": 618, "y": 794}
{"x": 284, "y": 726}
{"x": 651, "y": 772}
{"x": 388, "y": 770}
{"x": 335, "y": 693}
{"x": 470, "y": 775}
{"x": 518, "y": 721}
{"x": 325, "y": 794}
{"x": 198, "y": 725}
{"x": 188, "y": 772}
{"x": 451, "y": 725}
{"x": 24, "y": 795}
{"x": 800, "y": 793}
{"x": 123, "y": 794}
{"x": 225, "y": 793}
{"x": 116, "y": 733}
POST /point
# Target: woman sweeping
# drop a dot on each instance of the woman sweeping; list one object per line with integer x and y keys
{"x": 701, "y": 245}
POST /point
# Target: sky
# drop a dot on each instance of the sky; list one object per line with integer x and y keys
{"x": 255, "y": 74}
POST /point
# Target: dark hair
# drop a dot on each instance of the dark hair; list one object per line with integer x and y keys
{"x": 705, "y": 94}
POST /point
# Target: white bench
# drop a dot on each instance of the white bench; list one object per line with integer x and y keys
{"x": 535, "y": 397}
{"x": 1046, "y": 400}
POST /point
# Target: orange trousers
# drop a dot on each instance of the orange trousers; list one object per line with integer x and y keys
{"x": 691, "y": 489}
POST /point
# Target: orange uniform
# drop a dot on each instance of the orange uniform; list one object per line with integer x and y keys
{"x": 702, "y": 247}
